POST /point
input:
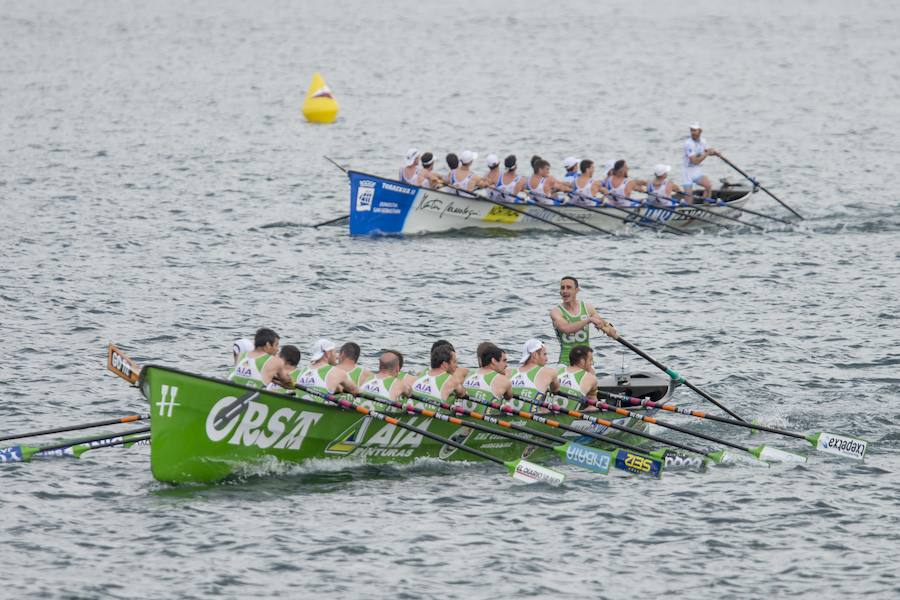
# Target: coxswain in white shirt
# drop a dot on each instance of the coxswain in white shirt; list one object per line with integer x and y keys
{"x": 661, "y": 186}
{"x": 695, "y": 152}
{"x": 410, "y": 171}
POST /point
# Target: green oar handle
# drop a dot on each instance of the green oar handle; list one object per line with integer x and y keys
{"x": 674, "y": 375}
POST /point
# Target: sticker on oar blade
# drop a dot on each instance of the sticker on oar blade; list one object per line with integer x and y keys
{"x": 776, "y": 455}
{"x": 640, "y": 465}
{"x": 587, "y": 457}
{"x": 842, "y": 445}
{"x": 529, "y": 472}
{"x": 11, "y": 454}
{"x": 685, "y": 462}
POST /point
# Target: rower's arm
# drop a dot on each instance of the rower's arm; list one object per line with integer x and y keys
{"x": 599, "y": 322}
{"x": 346, "y": 385}
{"x": 504, "y": 388}
{"x": 592, "y": 382}
{"x": 554, "y": 381}
{"x": 562, "y": 325}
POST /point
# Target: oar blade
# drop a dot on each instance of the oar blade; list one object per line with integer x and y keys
{"x": 681, "y": 461}
{"x": 121, "y": 365}
{"x": 586, "y": 457}
{"x": 770, "y": 454}
{"x": 12, "y": 454}
{"x": 638, "y": 464}
{"x": 841, "y": 445}
{"x": 528, "y": 472}
{"x": 724, "y": 457}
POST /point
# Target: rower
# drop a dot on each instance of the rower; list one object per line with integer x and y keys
{"x": 510, "y": 183}
{"x": 606, "y": 174}
{"x": 441, "y": 380}
{"x": 452, "y": 164}
{"x": 489, "y": 381}
{"x": 257, "y": 367}
{"x": 542, "y": 184}
{"x": 532, "y": 377}
{"x": 322, "y": 374}
{"x": 388, "y": 383}
{"x": 289, "y": 372}
{"x": 493, "y": 174}
{"x": 578, "y": 380}
{"x": 695, "y": 152}
{"x": 410, "y": 171}
{"x": 572, "y": 319}
{"x": 241, "y": 346}
{"x": 462, "y": 177}
{"x": 585, "y": 189}
{"x": 620, "y": 186}
{"x": 348, "y": 357}
{"x": 570, "y": 164}
{"x": 661, "y": 186}
{"x": 427, "y": 177}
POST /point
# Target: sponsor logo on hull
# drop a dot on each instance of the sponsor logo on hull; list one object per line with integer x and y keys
{"x": 284, "y": 429}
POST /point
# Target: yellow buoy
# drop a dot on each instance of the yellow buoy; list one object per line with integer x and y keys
{"x": 320, "y": 105}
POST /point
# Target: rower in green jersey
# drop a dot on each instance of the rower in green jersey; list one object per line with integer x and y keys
{"x": 322, "y": 374}
{"x": 441, "y": 380}
{"x": 488, "y": 382}
{"x": 532, "y": 377}
{"x": 461, "y": 372}
{"x": 348, "y": 357}
{"x": 284, "y": 379}
{"x": 258, "y": 367}
{"x": 388, "y": 383}
{"x": 577, "y": 381}
{"x": 572, "y": 319}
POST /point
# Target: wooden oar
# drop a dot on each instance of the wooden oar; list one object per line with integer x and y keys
{"x": 26, "y": 453}
{"x": 521, "y": 470}
{"x": 831, "y": 443}
{"x": 762, "y": 452}
{"x": 673, "y": 374}
{"x": 757, "y": 184}
{"x": 104, "y": 423}
{"x": 583, "y": 456}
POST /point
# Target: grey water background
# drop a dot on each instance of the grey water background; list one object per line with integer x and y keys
{"x": 156, "y": 180}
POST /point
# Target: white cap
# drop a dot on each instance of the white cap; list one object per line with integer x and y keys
{"x": 532, "y": 345}
{"x": 411, "y": 155}
{"x": 319, "y": 349}
{"x": 492, "y": 160}
{"x": 466, "y": 157}
{"x": 660, "y": 170}
{"x": 242, "y": 345}
{"x": 696, "y": 125}
{"x": 570, "y": 162}
{"x": 607, "y": 166}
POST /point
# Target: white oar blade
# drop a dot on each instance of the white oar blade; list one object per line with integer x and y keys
{"x": 528, "y": 472}
{"x": 588, "y": 458}
{"x": 841, "y": 445}
{"x": 770, "y": 454}
{"x": 744, "y": 459}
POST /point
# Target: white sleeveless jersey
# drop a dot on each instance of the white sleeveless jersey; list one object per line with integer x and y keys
{"x": 655, "y": 192}
{"x": 412, "y": 180}
{"x": 460, "y": 183}
{"x": 509, "y": 188}
{"x": 246, "y": 372}
{"x": 427, "y": 385}
{"x": 311, "y": 378}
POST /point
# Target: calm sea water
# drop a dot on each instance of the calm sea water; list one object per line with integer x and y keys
{"x": 156, "y": 181}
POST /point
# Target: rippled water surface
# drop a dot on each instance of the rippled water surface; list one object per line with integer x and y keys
{"x": 156, "y": 183}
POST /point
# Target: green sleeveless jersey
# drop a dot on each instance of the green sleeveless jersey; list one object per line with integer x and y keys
{"x": 479, "y": 387}
{"x": 567, "y": 341}
{"x": 523, "y": 385}
{"x": 570, "y": 383}
{"x": 430, "y": 386}
{"x": 313, "y": 379}
{"x": 355, "y": 374}
{"x": 248, "y": 371}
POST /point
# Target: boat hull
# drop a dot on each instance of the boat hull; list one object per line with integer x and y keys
{"x": 381, "y": 206}
{"x": 206, "y": 430}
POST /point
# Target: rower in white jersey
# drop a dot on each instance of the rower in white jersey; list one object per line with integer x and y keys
{"x": 570, "y": 164}
{"x": 388, "y": 383}
{"x": 410, "y": 171}
{"x": 462, "y": 177}
{"x": 572, "y": 319}
{"x": 441, "y": 380}
{"x": 488, "y": 382}
{"x": 586, "y": 189}
{"x": 239, "y": 347}
{"x": 695, "y": 152}
{"x": 532, "y": 377}
{"x": 621, "y": 187}
{"x": 427, "y": 177}
{"x": 661, "y": 186}
{"x": 541, "y": 185}
{"x": 577, "y": 380}
{"x": 259, "y": 366}
{"x": 510, "y": 184}
{"x": 348, "y": 360}
{"x": 322, "y": 375}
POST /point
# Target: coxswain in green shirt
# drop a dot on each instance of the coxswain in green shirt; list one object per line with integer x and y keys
{"x": 322, "y": 374}
{"x": 441, "y": 380}
{"x": 258, "y": 367}
{"x": 488, "y": 382}
{"x": 532, "y": 377}
{"x": 572, "y": 319}
{"x": 388, "y": 383}
{"x": 578, "y": 381}
{"x": 348, "y": 357}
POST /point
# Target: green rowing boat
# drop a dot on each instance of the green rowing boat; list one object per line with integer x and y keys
{"x": 205, "y": 429}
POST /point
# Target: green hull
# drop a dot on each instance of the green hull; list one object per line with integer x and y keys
{"x": 205, "y": 430}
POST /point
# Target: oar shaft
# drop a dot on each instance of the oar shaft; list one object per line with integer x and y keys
{"x": 757, "y": 184}
{"x": 674, "y": 374}
{"x": 506, "y": 205}
{"x": 330, "y": 221}
{"x": 104, "y": 423}
{"x": 746, "y": 210}
{"x": 705, "y": 210}
{"x": 601, "y": 205}
{"x": 70, "y": 443}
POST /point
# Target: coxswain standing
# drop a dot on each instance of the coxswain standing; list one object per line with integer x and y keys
{"x": 410, "y": 171}
{"x": 578, "y": 380}
{"x": 661, "y": 186}
{"x": 572, "y": 319}
{"x": 258, "y": 367}
{"x": 532, "y": 377}
{"x": 322, "y": 375}
{"x": 695, "y": 152}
